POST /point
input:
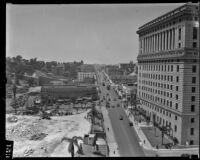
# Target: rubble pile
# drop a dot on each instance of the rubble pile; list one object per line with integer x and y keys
{"x": 28, "y": 152}
{"x": 22, "y": 130}
{"x": 12, "y": 119}
{"x": 38, "y": 136}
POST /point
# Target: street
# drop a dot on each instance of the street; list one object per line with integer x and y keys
{"x": 125, "y": 135}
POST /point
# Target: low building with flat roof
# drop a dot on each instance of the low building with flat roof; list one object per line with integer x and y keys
{"x": 69, "y": 91}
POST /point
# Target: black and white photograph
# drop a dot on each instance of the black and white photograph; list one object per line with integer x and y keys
{"x": 102, "y": 80}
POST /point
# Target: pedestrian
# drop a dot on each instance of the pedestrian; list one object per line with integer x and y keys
{"x": 108, "y": 128}
{"x": 156, "y": 146}
{"x": 114, "y": 151}
{"x": 144, "y": 141}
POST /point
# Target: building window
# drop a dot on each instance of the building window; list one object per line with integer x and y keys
{"x": 177, "y": 79}
{"x": 193, "y": 98}
{"x": 192, "y": 108}
{"x": 179, "y": 45}
{"x": 194, "y": 32}
{"x": 193, "y": 79}
{"x": 170, "y": 103}
{"x": 176, "y": 88}
{"x": 171, "y": 78}
{"x": 191, "y": 131}
{"x": 175, "y": 117}
{"x": 179, "y": 34}
{"x": 194, "y": 68}
{"x": 171, "y": 68}
{"x": 194, "y": 44}
{"x": 177, "y": 97}
{"x": 177, "y": 68}
{"x": 176, "y": 105}
{"x": 171, "y": 87}
{"x": 193, "y": 89}
{"x": 175, "y": 128}
{"x": 191, "y": 142}
{"x": 192, "y": 120}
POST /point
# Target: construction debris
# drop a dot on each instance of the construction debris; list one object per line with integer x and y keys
{"x": 28, "y": 152}
{"x": 38, "y": 136}
{"x": 21, "y": 130}
{"x": 12, "y": 119}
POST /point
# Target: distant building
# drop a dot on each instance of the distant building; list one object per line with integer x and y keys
{"x": 57, "y": 92}
{"x": 127, "y": 67}
{"x": 85, "y": 75}
{"x": 168, "y": 72}
{"x": 87, "y": 68}
{"x": 57, "y": 83}
{"x": 124, "y": 79}
{"x": 58, "y": 70}
{"x": 113, "y": 70}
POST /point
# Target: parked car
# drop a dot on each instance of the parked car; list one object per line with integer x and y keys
{"x": 130, "y": 123}
{"x": 120, "y": 117}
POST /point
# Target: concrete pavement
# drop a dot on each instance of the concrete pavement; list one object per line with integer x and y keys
{"x": 160, "y": 152}
{"x": 113, "y": 148}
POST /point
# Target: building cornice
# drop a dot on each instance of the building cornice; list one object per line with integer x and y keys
{"x": 186, "y": 9}
{"x": 178, "y": 53}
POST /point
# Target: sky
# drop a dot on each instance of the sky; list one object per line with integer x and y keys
{"x": 94, "y": 33}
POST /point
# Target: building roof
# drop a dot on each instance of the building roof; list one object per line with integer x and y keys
{"x": 100, "y": 141}
{"x": 132, "y": 74}
{"x": 35, "y": 89}
{"x": 178, "y": 11}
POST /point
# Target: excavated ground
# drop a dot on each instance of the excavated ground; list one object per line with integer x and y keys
{"x": 42, "y": 138}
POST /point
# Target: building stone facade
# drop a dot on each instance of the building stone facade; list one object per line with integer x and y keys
{"x": 168, "y": 72}
{"x": 84, "y": 75}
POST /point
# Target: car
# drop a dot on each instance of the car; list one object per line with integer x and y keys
{"x": 120, "y": 117}
{"x": 130, "y": 123}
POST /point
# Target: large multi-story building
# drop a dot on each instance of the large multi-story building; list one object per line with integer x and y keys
{"x": 86, "y": 75}
{"x": 168, "y": 72}
{"x": 128, "y": 67}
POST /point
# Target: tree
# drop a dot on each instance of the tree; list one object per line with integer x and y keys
{"x": 175, "y": 141}
{"x": 73, "y": 100}
{"x": 93, "y": 112}
{"x": 73, "y": 141}
{"x": 14, "y": 90}
{"x": 130, "y": 112}
{"x": 15, "y": 105}
{"x": 163, "y": 131}
{"x": 30, "y": 82}
{"x": 148, "y": 120}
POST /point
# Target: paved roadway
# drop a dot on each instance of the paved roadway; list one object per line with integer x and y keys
{"x": 125, "y": 135}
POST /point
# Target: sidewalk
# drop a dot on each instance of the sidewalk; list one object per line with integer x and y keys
{"x": 140, "y": 133}
{"x": 112, "y": 144}
{"x": 160, "y": 152}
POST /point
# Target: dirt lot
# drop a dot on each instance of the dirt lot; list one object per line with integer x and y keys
{"x": 51, "y": 132}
